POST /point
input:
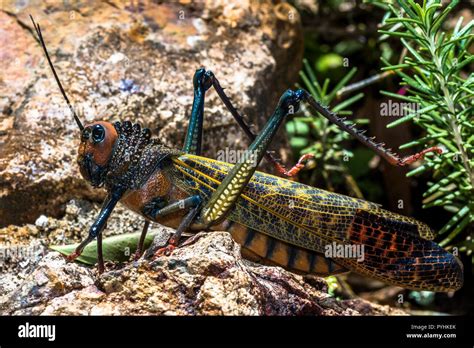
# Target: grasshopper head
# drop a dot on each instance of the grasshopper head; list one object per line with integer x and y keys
{"x": 97, "y": 144}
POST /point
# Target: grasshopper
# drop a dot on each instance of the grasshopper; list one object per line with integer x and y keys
{"x": 275, "y": 220}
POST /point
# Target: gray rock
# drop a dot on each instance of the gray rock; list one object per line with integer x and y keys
{"x": 208, "y": 277}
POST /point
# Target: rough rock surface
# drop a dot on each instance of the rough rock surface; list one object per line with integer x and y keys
{"x": 208, "y": 277}
{"x": 122, "y": 60}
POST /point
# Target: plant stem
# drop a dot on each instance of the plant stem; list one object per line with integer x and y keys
{"x": 451, "y": 111}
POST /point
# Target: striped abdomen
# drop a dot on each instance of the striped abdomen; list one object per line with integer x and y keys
{"x": 264, "y": 249}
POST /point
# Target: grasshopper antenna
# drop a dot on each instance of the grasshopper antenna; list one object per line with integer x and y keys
{"x": 40, "y": 37}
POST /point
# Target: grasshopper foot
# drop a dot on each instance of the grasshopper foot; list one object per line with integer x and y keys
{"x": 73, "y": 256}
{"x": 296, "y": 168}
{"x": 420, "y": 155}
{"x": 167, "y": 250}
{"x": 136, "y": 256}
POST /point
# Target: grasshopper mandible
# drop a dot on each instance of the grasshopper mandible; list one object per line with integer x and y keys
{"x": 275, "y": 220}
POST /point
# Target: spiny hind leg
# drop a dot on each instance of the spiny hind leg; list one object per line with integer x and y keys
{"x": 378, "y": 148}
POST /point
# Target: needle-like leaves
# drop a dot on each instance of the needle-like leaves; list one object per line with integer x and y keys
{"x": 436, "y": 72}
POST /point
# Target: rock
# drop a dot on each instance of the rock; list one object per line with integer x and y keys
{"x": 208, "y": 277}
{"x": 42, "y": 222}
{"x": 53, "y": 277}
{"x": 119, "y": 61}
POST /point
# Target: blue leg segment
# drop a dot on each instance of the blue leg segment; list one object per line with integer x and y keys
{"x": 99, "y": 224}
{"x": 193, "y": 141}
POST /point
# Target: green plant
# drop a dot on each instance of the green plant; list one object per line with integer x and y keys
{"x": 116, "y": 248}
{"x": 434, "y": 75}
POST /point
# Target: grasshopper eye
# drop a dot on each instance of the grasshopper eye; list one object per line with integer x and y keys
{"x": 98, "y": 133}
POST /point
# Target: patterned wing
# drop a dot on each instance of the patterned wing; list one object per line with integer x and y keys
{"x": 312, "y": 219}
{"x": 310, "y": 208}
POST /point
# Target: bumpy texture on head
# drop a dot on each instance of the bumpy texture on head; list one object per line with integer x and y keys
{"x": 135, "y": 157}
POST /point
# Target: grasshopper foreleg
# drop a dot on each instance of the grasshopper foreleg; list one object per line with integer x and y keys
{"x": 97, "y": 227}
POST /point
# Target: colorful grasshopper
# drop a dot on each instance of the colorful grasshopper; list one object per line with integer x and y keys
{"x": 275, "y": 220}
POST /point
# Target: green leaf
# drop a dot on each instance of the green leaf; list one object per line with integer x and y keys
{"x": 348, "y": 102}
{"x": 401, "y": 19}
{"x": 308, "y": 84}
{"x": 413, "y": 51}
{"x": 419, "y": 11}
{"x": 396, "y": 67}
{"x": 400, "y": 96}
{"x": 342, "y": 83}
{"x": 397, "y": 34}
{"x": 453, "y": 40}
{"x": 296, "y": 127}
{"x": 430, "y": 11}
{"x": 115, "y": 248}
{"x": 413, "y": 83}
{"x": 460, "y": 226}
{"x": 325, "y": 89}
{"x": 458, "y": 25}
{"x": 442, "y": 183}
{"x": 412, "y": 115}
{"x": 422, "y": 141}
{"x": 461, "y": 65}
{"x": 314, "y": 80}
{"x": 407, "y": 9}
{"x": 297, "y": 142}
{"x": 420, "y": 169}
{"x": 439, "y": 20}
